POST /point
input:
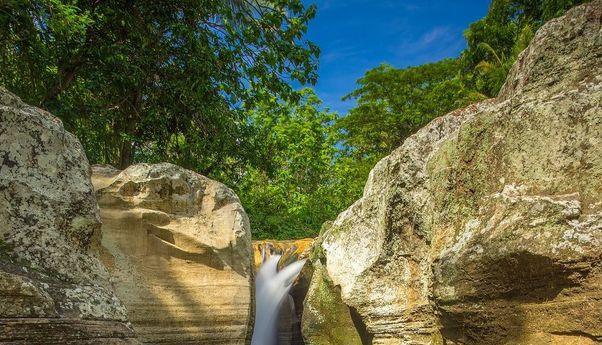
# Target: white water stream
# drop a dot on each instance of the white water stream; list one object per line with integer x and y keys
{"x": 271, "y": 287}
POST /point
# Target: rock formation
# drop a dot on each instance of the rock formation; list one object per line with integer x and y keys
{"x": 291, "y": 250}
{"x": 53, "y": 287}
{"x": 485, "y": 227}
{"x": 326, "y": 319}
{"x": 178, "y": 247}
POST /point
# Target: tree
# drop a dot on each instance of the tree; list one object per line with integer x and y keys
{"x": 495, "y": 41}
{"x": 287, "y": 195}
{"x": 156, "y": 80}
{"x": 393, "y": 103}
{"x": 493, "y": 72}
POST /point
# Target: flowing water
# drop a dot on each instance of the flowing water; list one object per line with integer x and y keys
{"x": 271, "y": 288}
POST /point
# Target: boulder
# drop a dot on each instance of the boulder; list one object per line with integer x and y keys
{"x": 485, "y": 227}
{"x": 178, "y": 248}
{"x": 326, "y": 319}
{"x": 53, "y": 287}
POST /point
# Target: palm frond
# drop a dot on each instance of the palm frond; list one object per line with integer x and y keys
{"x": 485, "y": 46}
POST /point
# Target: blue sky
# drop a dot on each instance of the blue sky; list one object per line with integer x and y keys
{"x": 357, "y": 35}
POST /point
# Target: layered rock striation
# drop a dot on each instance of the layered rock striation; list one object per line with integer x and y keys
{"x": 485, "y": 227}
{"x": 178, "y": 248}
{"x": 53, "y": 287}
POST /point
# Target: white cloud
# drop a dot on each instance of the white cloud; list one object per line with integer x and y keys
{"x": 436, "y": 43}
{"x": 435, "y": 34}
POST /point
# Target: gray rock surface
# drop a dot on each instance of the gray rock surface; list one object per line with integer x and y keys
{"x": 485, "y": 227}
{"x": 53, "y": 287}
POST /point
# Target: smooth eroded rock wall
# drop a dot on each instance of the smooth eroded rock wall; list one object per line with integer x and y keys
{"x": 178, "y": 247}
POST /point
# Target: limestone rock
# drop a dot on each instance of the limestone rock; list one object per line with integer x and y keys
{"x": 53, "y": 287}
{"x": 178, "y": 247}
{"x": 326, "y": 319}
{"x": 485, "y": 227}
{"x": 291, "y": 250}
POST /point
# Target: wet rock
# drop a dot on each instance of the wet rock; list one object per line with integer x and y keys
{"x": 326, "y": 319}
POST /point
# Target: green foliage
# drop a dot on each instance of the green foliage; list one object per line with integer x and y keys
{"x": 495, "y": 41}
{"x": 295, "y": 187}
{"x": 394, "y": 103}
{"x": 156, "y": 80}
{"x": 207, "y": 85}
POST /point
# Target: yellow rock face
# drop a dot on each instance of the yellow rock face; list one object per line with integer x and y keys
{"x": 290, "y": 249}
{"x": 178, "y": 248}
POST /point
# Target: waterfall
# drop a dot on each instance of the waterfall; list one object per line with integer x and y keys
{"x": 271, "y": 287}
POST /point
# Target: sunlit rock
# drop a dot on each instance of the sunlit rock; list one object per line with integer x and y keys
{"x": 485, "y": 227}
{"x": 53, "y": 287}
{"x": 178, "y": 247}
{"x": 290, "y": 250}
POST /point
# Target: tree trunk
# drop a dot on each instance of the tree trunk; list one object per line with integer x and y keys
{"x": 64, "y": 80}
{"x": 125, "y": 154}
{"x": 126, "y": 149}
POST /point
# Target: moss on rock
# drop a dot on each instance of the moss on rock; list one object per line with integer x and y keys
{"x": 326, "y": 319}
